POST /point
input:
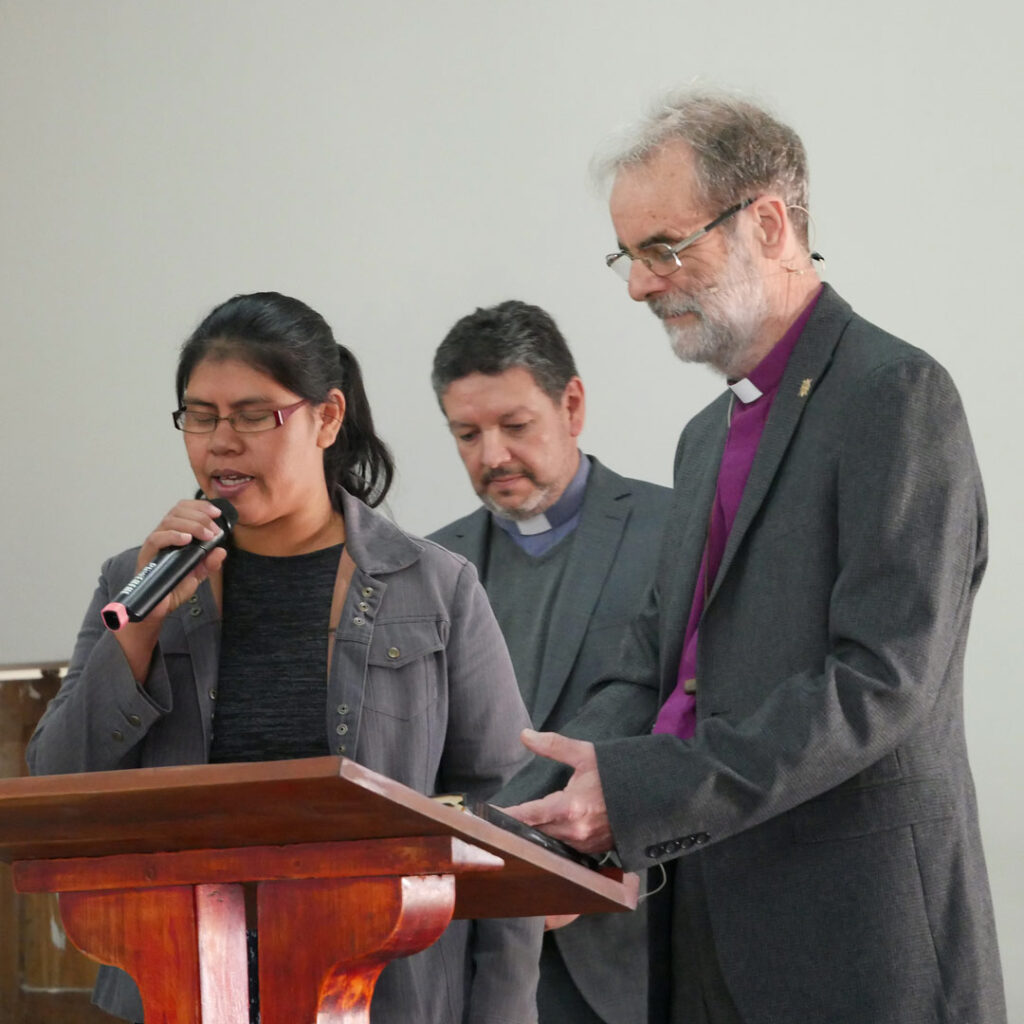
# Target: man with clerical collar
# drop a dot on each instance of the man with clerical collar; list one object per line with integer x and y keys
{"x": 566, "y": 549}
{"x": 783, "y": 730}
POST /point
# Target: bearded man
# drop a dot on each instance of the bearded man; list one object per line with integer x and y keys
{"x": 784, "y": 731}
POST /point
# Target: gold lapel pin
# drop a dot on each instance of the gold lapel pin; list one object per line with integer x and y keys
{"x": 805, "y": 387}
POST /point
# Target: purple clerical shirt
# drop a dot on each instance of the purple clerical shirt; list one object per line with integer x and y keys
{"x": 755, "y": 394}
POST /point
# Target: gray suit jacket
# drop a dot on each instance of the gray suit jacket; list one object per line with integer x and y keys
{"x": 443, "y": 715}
{"x": 612, "y": 562}
{"x": 826, "y": 793}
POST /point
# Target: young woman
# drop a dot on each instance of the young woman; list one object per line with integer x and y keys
{"x": 323, "y": 629}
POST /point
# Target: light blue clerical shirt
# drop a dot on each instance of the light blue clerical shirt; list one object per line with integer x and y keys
{"x": 543, "y": 531}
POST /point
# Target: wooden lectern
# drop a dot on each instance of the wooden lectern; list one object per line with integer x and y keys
{"x": 349, "y": 870}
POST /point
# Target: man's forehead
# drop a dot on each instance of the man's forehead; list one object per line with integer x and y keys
{"x": 656, "y": 196}
{"x": 512, "y": 390}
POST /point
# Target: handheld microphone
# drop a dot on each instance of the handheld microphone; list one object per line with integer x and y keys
{"x": 169, "y": 567}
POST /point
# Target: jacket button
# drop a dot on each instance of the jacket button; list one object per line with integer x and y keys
{"x": 701, "y": 837}
{"x": 195, "y": 611}
{"x": 363, "y": 606}
{"x": 213, "y": 695}
{"x": 341, "y": 729}
{"x": 359, "y": 621}
{"x": 367, "y": 591}
{"x": 674, "y": 846}
{"x": 194, "y": 599}
{"x": 687, "y": 841}
{"x": 134, "y": 720}
{"x": 651, "y": 851}
{"x": 117, "y": 735}
{"x": 341, "y": 748}
{"x": 342, "y": 709}
{"x": 394, "y": 652}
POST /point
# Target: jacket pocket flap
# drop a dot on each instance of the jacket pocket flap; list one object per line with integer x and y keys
{"x": 849, "y": 813}
{"x": 395, "y": 644}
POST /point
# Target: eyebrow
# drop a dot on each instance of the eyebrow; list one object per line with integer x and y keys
{"x": 659, "y": 239}
{"x": 257, "y": 400}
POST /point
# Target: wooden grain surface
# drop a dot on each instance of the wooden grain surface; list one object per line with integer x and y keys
{"x": 43, "y": 978}
{"x": 313, "y": 800}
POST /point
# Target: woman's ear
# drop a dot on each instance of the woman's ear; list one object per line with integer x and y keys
{"x": 332, "y": 415}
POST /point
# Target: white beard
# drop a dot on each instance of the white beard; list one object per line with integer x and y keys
{"x": 726, "y": 316}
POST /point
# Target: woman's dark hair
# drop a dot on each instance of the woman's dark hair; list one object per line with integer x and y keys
{"x": 285, "y": 339}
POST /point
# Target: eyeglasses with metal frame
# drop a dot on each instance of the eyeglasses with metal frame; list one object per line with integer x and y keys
{"x": 244, "y": 421}
{"x": 661, "y": 258}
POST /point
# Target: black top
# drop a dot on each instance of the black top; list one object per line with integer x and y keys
{"x": 272, "y": 684}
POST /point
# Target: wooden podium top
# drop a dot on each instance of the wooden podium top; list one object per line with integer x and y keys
{"x": 283, "y": 803}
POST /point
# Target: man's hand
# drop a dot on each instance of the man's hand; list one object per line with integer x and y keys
{"x": 577, "y": 814}
{"x": 553, "y": 921}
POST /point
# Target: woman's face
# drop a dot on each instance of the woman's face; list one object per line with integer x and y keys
{"x": 272, "y": 476}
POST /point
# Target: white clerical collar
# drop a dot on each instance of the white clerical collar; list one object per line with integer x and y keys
{"x": 565, "y": 510}
{"x": 535, "y": 524}
{"x": 746, "y": 390}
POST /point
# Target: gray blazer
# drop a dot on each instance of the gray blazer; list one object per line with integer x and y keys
{"x": 443, "y": 716}
{"x": 826, "y": 793}
{"x": 612, "y": 562}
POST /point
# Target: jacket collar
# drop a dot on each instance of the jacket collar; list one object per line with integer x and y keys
{"x": 607, "y": 506}
{"x": 809, "y": 360}
{"x": 374, "y": 542}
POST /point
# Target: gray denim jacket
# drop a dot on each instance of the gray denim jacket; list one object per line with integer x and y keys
{"x": 421, "y": 689}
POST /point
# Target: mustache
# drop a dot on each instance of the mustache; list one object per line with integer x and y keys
{"x": 506, "y": 471}
{"x": 665, "y": 307}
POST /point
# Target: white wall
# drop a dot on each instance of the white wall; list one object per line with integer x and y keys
{"x": 396, "y": 164}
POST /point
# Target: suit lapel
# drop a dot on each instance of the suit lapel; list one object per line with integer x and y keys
{"x": 686, "y": 537}
{"x": 607, "y": 505}
{"x": 471, "y": 536}
{"x": 806, "y": 365}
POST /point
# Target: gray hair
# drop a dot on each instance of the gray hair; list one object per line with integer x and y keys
{"x": 739, "y": 149}
{"x": 499, "y": 338}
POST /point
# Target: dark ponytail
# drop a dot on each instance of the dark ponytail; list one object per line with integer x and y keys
{"x": 287, "y": 340}
{"x": 358, "y": 460}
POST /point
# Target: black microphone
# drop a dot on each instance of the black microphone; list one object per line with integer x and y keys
{"x": 169, "y": 567}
